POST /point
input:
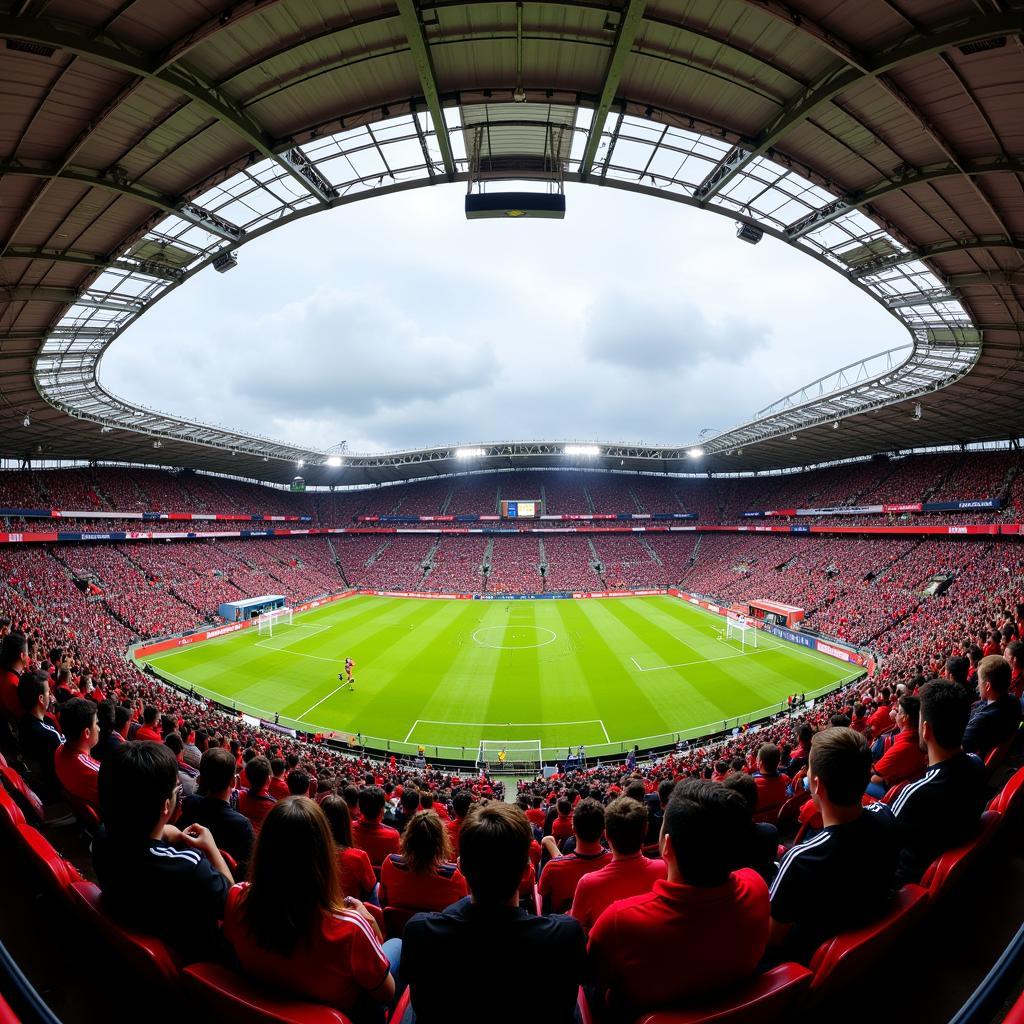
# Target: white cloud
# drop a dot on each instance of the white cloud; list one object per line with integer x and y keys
{"x": 396, "y": 323}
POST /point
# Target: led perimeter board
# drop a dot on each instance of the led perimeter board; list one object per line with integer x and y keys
{"x": 520, "y": 509}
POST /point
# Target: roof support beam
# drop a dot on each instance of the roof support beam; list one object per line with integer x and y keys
{"x": 913, "y": 176}
{"x": 109, "y": 52}
{"x": 844, "y": 77}
{"x": 927, "y": 252}
{"x": 100, "y": 261}
{"x": 409, "y": 17}
{"x": 629, "y": 26}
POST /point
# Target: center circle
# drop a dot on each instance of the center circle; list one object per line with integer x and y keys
{"x": 518, "y": 633}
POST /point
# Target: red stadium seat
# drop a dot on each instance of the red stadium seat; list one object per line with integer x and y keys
{"x": 22, "y": 794}
{"x": 1011, "y": 796}
{"x": 85, "y": 814}
{"x": 998, "y": 754}
{"x": 57, "y": 872}
{"x": 7, "y": 1015}
{"x": 764, "y": 999}
{"x": 894, "y": 791}
{"x": 146, "y": 953}
{"x": 1015, "y": 1015}
{"x": 10, "y": 813}
{"x": 395, "y": 920}
{"x": 945, "y": 871}
{"x": 790, "y": 810}
{"x": 230, "y": 997}
{"x": 850, "y": 956}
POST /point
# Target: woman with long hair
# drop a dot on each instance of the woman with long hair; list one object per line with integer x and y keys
{"x": 422, "y": 876}
{"x": 357, "y": 877}
{"x": 292, "y": 927}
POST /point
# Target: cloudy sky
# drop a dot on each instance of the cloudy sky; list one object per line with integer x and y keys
{"x": 396, "y": 323}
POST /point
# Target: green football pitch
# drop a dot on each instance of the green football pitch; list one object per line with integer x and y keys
{"x": 446, "y": 674}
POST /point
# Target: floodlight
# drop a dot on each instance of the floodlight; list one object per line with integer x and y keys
{"x": 470, "y": 453}
{"x": 300, "y": 463}
{"x": 917, "y": 410}
{"x": 696, "y": 453}
{"x": 835, "y": 426}
{"x": 792, "y": 437}
{"x": 582, "y": 449}
{"x": 158, "y": 444}
{"x": 334, "y": 461}
{"x": 27, "y": 421}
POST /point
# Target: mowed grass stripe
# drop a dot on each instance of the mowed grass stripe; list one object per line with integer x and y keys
{"x": 417, "y": 660}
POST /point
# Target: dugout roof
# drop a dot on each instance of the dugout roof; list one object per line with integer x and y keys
{"x": 142, "y": 140}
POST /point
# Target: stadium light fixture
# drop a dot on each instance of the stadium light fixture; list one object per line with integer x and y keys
{"x": 334, "y": 461}
{"x": 470, "y": 453}
{"x": 835, "y": 425}
{"x": 792, "y": 437}
{"x": 696, "y": 453}
{"x": 27, "y": 421}
{"x": 917, "y": 411}
{"x": 582, "y": 449}
{"x": 300, "y": 463}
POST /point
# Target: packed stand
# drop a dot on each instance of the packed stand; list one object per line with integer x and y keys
{"x": 515, "y": 566}
{"x": 455, "y": 566}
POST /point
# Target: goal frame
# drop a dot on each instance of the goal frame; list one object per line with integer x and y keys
{"x": 265, "y": 620}
{"x": 520, "y": 756}
{"x": 740, "y": 629}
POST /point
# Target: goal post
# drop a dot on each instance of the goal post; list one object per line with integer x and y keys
{"x": 742, "y": 631}
{"x": 509, "y": 756}
{"x": 266, "y": 621}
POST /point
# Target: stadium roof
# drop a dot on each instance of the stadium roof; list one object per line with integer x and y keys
{"x": 142, "y": 140}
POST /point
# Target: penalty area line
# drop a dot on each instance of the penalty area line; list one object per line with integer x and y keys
{"x": 322, "y": 699}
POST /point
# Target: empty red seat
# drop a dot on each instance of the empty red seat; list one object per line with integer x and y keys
{"x": 85, "y": 813}
{"x": 52, "y": 867}
{"x": 850, "y": 956}
{"x": 7, "y": 1015}
{"x": 1011, "y": 796}
{"x": 231, "y": 997}
{"x": 10, "y": 813}
{"x": 22, "y": 794}
{"x": 146, "y": 953}
{"x": 764, "y": 999}
{"x": 946, "y": 870}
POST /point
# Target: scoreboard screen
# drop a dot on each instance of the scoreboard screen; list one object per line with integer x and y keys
{"x": 521, "y": 509}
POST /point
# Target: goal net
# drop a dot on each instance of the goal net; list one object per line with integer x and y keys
{"x": 511, "y": 756}
{"x": 741, "y": 631}
{"x": 266, "y": 621}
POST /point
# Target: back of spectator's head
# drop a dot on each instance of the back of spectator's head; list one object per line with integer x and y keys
{"x": 76, "y": 717}
{"x": 588, "y": 820}
{"x": 371, "y": 802}
{"x": 462, "y": 800}
{"x": 13, "y": 651}
{"x": 945, "y": 710}
{"x": 137, "y": 784}
{"x": 564, "y": 806}
{"x": 277, "y": 766}
{"x": 911, "y": 708}
{"x": 1014, "y": 654}
{"x": 740, "y": 782}
{"x": 293, "y": 877}
{"x": 122, "y": 716}
{"x": 494, "y": 847}
{"x": 32, "y": 686}
{"x": 351, "y": 796}
{"x": 768, "y": 756}
{"x": 704, "y": 831}
{"x": 838, "y": 721}
{"x": 216, "y": 771}
{"x": 410, "y": 800}
{"x": 625, "y": 824}
{"x": 636, "y": 791}
{"x": 957, "y": 669}
{"x": 665, "y": 788}
{"x": 298, "y": 782}
{"x": 841, "y": 763}
{"x": 994, "y": 672}
{"x": 174, "y": 743}
{"x": 257, "y": 771}
{"x": 425, "y": 842}
{"x": 202, "y": 739}
{"x": 340, "y": 820}
{"x": 105, "y": 713}
{"x": 426, "y": 800}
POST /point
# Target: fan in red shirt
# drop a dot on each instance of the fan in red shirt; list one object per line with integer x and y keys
{"x": 255, "y": 802}
{"x": 76, "y": 771}
{"x": 559, "y": 876}
{"x": 1014, "y": 654}
{"x": 561, "y": 827}
{"x": 703, "y": 928}
{"x": 354, "y": 867}
{"x": 422, "y": 877}
{"x": 772, "y": 788}
{"x": 630, "y": 873}
{"x": 536, "y": 815}
{"x": 881, "y": 719}
{"x": 904, "y": 759}
{"x": 150, "y": 728}
{"x": 368, "y": 833}
{"x": 462, "y": 800}
{"x": 290, "y": 927}
{"x": 278, "y": 787}
{"x": 13, "y": 661}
